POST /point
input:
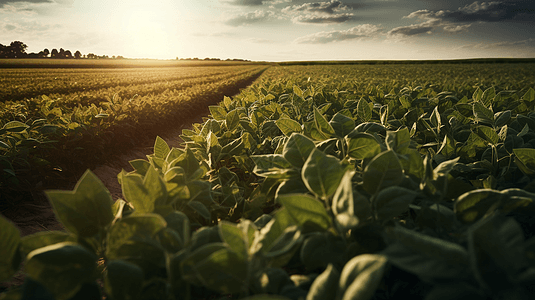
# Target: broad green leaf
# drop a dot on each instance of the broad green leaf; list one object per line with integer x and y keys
{"x": 325, "y": 285}
{"x": 488, "y": 96}
{"x": 85, "y": 210}
{"x": 529, "y": 95}
{"x": 488, "y": 134}
{"x": 476, "y": 96}
{"x": 201, "y": 191}
{"x": 399, "y": 140}
{"x": 62, "y": 268}
{"x": 525, "y": 160}
{"x": 497, "y": 252}
{"x": 342, "y": 124}
{"x": 232, "y": 120}
{"x": 161, "y": 149}
{"x": 428, "y": 257}
{"x": 384, "y": 170}
{"x": 472, "y": 145}
{"x": 123, "y": 280}
{"x": 238, "y": 237}
{"x": 321, "y": 249}
{"x": 502, "y": 118}
{"x": 297, "y": 149}
{"x": 272, "y": 166}
{"x": 140, "y": 166}
{"x": 218, "y": 112}
{"x": 9, "y": 249}
{"x": 349, "y": 207}
{"x": 393, "y": 201}
{"x": 362, "y": 146}
{"x": 435, "y": 118}
{"x": 15, "y": 126}
{"x": 361, "y": 276}
{"x": 364, "y": 110}
{"x": 201, "y": 209}
{"x": 447, "y": 148}
{"x": 483, "y": 114}
{"x": 179, "y": 222}
{"x": 322, "y": 124}
{"x": 288, "y": 126}
{"x": 322, "y": 173}
{"x": 143, "y": 227}
{"x": 41, "y": 239}
{"x": 413, "y": 163}
{"x": 306, "y": 211}
{"x": 144, "y": 194}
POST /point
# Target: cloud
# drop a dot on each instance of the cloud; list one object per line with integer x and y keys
{"x": 4, "y": 2}
{"x": 319, "y": 12}
{"x": 247, "y": 2}
{"x": 355, "y": 33}
{"x": 414, "y": 29}
{"x": 506, "y": 44}
{"x": 250, "y": 18}
{"x": 495, "y": 11}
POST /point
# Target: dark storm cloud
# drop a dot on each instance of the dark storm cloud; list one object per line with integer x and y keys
{"x": 495, "y": 11}
{"x": 250, "y": 18}
{"x": 356, "y": 33}
{"x": 4, "y": 2}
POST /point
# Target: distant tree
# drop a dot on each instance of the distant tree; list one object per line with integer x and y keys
{"x": 46, "y": 52}
{"x": 61, "y": 53}
{"x": 17, "y": 49}
{"x": 77, "y": 54}
{"x": 54, "y": 53}
{"x": 91, "y": 56}
{"x": 68, "y": 54}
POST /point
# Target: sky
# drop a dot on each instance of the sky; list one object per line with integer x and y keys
{"x": 275, "y": 30}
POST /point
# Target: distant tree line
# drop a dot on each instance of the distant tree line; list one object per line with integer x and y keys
{"x": 217, "y": 59}
{"x": 17, "y": 49}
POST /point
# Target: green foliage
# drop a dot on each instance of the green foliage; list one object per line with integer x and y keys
{"x": 306, "y": 186}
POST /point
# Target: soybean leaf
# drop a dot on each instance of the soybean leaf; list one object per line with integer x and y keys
{"x": 428, "y": 257}
{"x": 362, "y": 146}
{"x": 363, "y": 110}
{"x": 140, "y": 166}
{"x": 41, "y": 239}
{"x": 392, "y": 201}
{"x": 306, "y": 211}
{"x": 325, "y": 285}
{"x": 399, "y": 140}
{"x": 232, "y": 120}
{"x": 483, "y": 114}
{"x": 239, "y": 237}
{"x": 488, "y": 134}
{"x": 288, "y": 126}
{"x": 384, "y": 170}
{"x": 322, "y": 173}
{"x": 161, "y": 149}
{"x": 123, "y": 280}
{"x": 9, "y": 249}
{"x": 218, "y": 112}
{"x": 85, "y": 210}
{"x": 361, "y": 276}
{"x": 62, "y": 268}
{"x": 349, "y": 207}
{"x": 321, "y": 123}
{"x": 342, "y": 124}
{"x": 297, "y": 149}
{"x": 525, "y": 160}
{"x": 496, "y": 252}
{"x": 272, "y": 166}
{"x": 142, "y": 227}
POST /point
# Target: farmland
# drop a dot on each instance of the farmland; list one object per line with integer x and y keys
{"x": 316, "y": 182}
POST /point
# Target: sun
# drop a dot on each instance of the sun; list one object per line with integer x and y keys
{"x": 147, "y": 29}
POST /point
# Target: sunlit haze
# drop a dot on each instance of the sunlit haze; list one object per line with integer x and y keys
{"x": 274, "y": 30}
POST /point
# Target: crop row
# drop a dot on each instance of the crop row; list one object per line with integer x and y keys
{"x": 17, "y": 84}
{"x": 302, "y": 187}
{"x": 44, "y": 128}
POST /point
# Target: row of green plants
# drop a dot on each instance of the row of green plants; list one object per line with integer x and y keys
{"x": 19, "y": 84}
{"x": 43, "y": 134}
{"x": 295, "y": 189}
